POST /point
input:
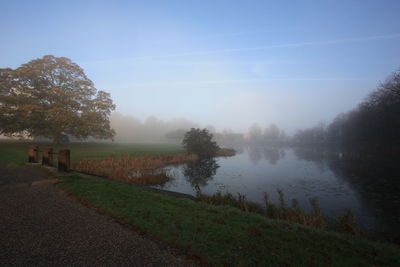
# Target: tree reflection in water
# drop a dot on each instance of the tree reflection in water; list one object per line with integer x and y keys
{"x": 375, "y": 179}
{"x": 271, "y": 154}
{"x": 200, "y": 172}
{"x": 316, "y": 155}
{"x": 255, "y": 153}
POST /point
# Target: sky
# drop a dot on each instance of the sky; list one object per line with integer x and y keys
{"x": 225, "y": 63}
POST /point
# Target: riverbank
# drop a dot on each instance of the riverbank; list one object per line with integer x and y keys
{"x": 225, "y": 235}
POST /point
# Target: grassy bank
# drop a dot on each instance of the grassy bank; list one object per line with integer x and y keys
{"x": 226, "y": 235}
{"x": 17, "y": 152}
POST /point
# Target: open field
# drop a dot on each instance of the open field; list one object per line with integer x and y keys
{"x": 225, "y": 235}
{"x": 16, "y": 153}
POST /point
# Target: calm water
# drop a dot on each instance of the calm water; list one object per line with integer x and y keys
{"x": 369, "y": 189}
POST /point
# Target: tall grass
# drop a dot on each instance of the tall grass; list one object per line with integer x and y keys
{"x": 132, "y": 169}
{"x": 228, "y": 199}
{"x": 344, "y": 223}
{"x": 294, "y": 213}
{"x": 347, "y": 223}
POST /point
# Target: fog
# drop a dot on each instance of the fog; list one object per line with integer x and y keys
{"x": 151, "y": 130}
{"x": 236, "y": 111}
{"x": 287, "y": 104}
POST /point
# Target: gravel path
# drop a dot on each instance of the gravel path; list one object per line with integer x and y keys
{"x": 41, "y": 226}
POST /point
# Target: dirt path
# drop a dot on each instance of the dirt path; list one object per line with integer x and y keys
{"x": 41, "y": 226}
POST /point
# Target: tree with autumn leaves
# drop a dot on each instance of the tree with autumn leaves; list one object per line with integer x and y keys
{"x": 52, "y": 96}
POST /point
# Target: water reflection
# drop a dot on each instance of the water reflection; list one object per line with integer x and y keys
{"x": 273, "y": 155}
{"x": 255, "y": 153}
{"x": 199, "y": 173}
{"x": 375, "y": 180}
{"x": 312, "y": 154}
{"x": 369, "y": 187}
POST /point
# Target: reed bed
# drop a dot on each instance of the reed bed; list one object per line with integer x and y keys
{"x": 226, "y": 152}
{"x": 122, "y": 168}
{"x": 344, "y": 223}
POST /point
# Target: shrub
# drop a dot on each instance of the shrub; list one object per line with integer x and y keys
{"x": 200, "y": 142}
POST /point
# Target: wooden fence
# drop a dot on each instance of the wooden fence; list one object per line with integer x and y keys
{"x": 64, "y": 157}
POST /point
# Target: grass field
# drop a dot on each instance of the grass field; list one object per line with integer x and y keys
{"x": 226, "y": 235}
{"x": 16, "y": 153}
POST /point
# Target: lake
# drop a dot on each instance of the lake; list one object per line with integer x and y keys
{"x": 370, "y": 188}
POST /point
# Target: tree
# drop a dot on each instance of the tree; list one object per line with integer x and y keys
{"x": 311, "y": 136}
{"x": 373, "y": 125}
{"x": 177, "y": 134}
{"x": 255, "y": 133}
{"x": 200, "y": 142}
{"x": 272, "y": 133}
{"x": 52, "y": 96}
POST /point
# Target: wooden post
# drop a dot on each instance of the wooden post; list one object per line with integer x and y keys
{"x": 64, "y": 160}
{"x": 33, "y": 154}
{"x": 47, "y": 158}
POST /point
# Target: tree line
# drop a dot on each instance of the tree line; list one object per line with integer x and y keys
{"x": 270, "y": 134}
{"x": 373, "y": 124}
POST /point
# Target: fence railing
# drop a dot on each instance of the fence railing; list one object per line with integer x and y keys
{"x": 64, "y": 157}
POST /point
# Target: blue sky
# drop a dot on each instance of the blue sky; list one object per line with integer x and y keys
{"x": 226, "y": 63}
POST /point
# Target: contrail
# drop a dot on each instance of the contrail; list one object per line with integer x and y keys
{"x": 337, "y": 41}
{"x": 211, "y": 82}
{"x": 254, "y": 48}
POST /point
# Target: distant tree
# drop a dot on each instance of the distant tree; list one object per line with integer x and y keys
{"x": 255, "y": 133}
{"x": 211, "y": 128}
{"x": 272, "y": 132}
{"x": 227, "y": 131}
{"x": 311, "y": 136}
{"x": 374, "y": 124}
{"x": 52, "y": 96}
{"x": 200, "y": 142}
{"x": 178, "y": 134}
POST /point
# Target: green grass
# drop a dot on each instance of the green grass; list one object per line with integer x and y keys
{"x": 16, "y": 153}
{"x": 225, "y": 235}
